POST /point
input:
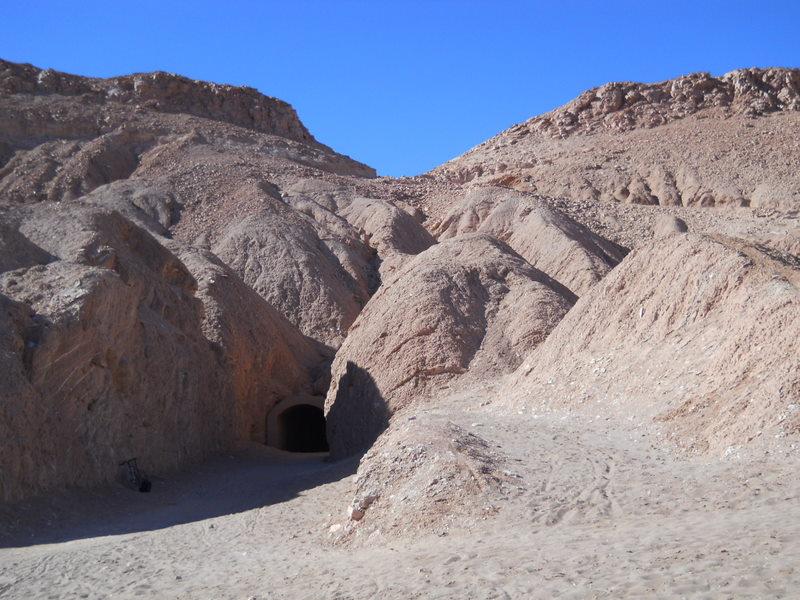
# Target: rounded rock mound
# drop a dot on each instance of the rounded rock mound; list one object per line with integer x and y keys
{"x": 116, "y": 344}
{"x": 469, "y": 303}
{"x": 548, "y": 239}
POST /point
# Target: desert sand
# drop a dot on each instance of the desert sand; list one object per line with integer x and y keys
{"x": 591, "y": 509}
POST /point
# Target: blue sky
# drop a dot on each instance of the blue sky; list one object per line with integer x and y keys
{"x": 405, "y": 85}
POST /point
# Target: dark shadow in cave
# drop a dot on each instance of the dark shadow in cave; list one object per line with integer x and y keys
{"x": 302, "y": 429}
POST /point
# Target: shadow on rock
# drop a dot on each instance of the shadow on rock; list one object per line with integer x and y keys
{"x": 357, "y": 415}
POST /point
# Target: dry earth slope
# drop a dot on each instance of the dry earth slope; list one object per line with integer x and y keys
{"x": 167, "y": 245}
{"x": 696, "y": 140}
{"x": 700, "y": 333}
{"x": 465, "y": 306}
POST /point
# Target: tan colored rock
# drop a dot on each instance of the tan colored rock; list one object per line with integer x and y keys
{"x": 113, "y": 356}
{"x": 394, "y": 233}
{"x": 467, "y": 304}
{"x": 666, "y": 225}
{"x": 171, "y": 241}
{"x": 549, "y": 240}
{"x": 422, "y": 474}
{"x": 17, "y": 251}
{"x": 112, "y": 350}
{"x": 163, "y": 92}
{"x": 208, "y": 163}
{"x": 266, "y": 359}
{"x": 317, "y": 274}
{"x": 391, "y": 228}
{"x": 203, "y": 161}
{"x": 700, "y": 334}
{"x": 693, "y": 141}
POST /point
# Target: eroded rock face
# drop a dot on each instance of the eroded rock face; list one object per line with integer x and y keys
{"x": 113, "y": 357}
{"x": 698, "y": 333}
{"x": 269, "y": 233}
{"x": 218, "y": 167}
{"x": 552, "y": 242}
{"x": 112, "y": 350}
{"x": 317, "y": 272}
{"x": 625, "y": 106}
{"x": 469, "y": 303}
{"x": 692, "y": 141}
{"x": 231, "y": 229}
{"x": 177, "y": 257}
{"x": 164, "y": 92}
{"x": 394, "y": 233}
{"x": 266, "y": 359}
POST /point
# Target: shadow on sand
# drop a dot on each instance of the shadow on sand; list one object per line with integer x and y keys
{"x": 248, "y": 479}
{"x": 255, "y": 477}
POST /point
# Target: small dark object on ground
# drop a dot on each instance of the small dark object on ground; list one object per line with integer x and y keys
{"x": 134, "y": 478}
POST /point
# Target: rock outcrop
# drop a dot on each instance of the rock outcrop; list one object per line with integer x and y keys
{"x": 178, "y": 258}
{"x": 182, "y": 236}
{"x": 163, "y": 92}
{"x": 318, "y": 273}
{"x": 214, "y": 166}
{"x": 698, "y": 333}
{"x": 114, "y": 349}
{"x": 692, "y": 141}
{"x": 626, "y": 106}
{"x": 464, "y": 305}
{"x": 394, "y": 233}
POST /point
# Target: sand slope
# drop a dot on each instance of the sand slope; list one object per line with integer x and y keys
{"x": 700, "y": 333}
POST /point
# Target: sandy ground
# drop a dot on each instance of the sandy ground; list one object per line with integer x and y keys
{"x": 601, "y": 512}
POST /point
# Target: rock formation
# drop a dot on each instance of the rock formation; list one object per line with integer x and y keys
{"x": 698, "y": 333}
{"x": 423, "y": 474}
{"x": 692, "y": 141}
{"x": 549, "y": 240}
{"x": 220, "y": 165}
{"x": 114, "y": 349}
{"x": 466, "y": 305}
{"x": 271, "y": 235}
{"x": 161, "y": 92}
{"x": 179, "y": 258}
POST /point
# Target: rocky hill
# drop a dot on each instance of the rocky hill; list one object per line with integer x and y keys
{"x": 466, "y": 306}
{"x": 697, "y": 333}
{"x": 160, "y": 255}
{"x": 160, "y": 92}
{"x": 118, "y": 344}
{"x": 696, "y": 140}
{"x": 182, "y": 262}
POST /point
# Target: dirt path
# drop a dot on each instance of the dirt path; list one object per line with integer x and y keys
{"x": 601, "y": 513}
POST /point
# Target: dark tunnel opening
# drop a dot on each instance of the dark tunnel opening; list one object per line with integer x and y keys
{"x": 302, "y": 429}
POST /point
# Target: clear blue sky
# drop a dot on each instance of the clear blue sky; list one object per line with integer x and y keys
{"x": 409, "y": 84}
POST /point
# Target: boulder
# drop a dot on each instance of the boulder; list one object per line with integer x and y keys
{"x": 666, "y": 225}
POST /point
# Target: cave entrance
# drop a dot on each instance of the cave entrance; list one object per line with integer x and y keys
{"x": 297, "y": 427}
